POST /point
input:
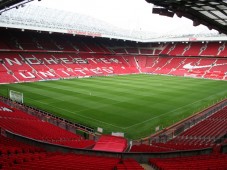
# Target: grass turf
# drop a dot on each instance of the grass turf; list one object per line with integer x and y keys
{"x": 133, "y": 104}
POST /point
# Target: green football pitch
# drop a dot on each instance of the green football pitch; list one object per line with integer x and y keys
{"x": 133, "y": 104}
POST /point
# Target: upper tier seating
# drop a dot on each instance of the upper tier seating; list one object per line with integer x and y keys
{"x": 211, "y": 49}
{"x": 178, "y": 49}
{"x": 194, "y": 49}
{"x": 146, "y": 51}
{"x": 167, "y": 48}
{"x": 37, "y": 42}
{"x": 223, "y": 49}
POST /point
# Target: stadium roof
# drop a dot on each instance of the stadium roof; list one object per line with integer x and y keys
{"x": 43, "y": 18}
{"x": 211, "y": 13}
{"x": 6, "y": 5}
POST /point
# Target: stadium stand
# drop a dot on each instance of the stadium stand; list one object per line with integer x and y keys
{"x": 223, "y": 50}
{"x": 71, "y": 161}
{"x": 29, "y": 126}
{"x": 18, "y": 155}
{"x": 82, "y": 56}
{"x": 194, "y": 49}
{"x": 35, "y": 67}
{"x": 202, "y": 135}
{"x": 178, "y": 49}
{"x": 129, "y": 164}
{"x": 211, "y": 49}
{"x": 13, "y": 152}
{"x": 214, "y": 161}
{"x": 26, "y": 57}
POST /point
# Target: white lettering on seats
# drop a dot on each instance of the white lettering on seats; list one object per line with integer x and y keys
{"x": 108, "y": 70}
{"x": 50, "y": 61}
{"x": 92, "y": 59}
{"x": 46, "y": 74}
{"x": 65, "y": 60}
{"x": 28, "y": 75}
{"x": 15, "y": 61}
{"x": 79, "y": 70}
{"x": 65, "y": 72}
{"x": 80, "y": 61}
{"x": 32, "y": 61}
{"x": 96, "y": 70}
{"x": 105, "y": 61}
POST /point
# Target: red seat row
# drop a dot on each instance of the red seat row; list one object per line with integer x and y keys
{"x": 201, "y": 135}
{"x": 29, "y": 126}
{"x": 211, "y": 162}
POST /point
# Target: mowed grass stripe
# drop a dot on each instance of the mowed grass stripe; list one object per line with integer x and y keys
{"x": 121, "y": 109}
{"x": 124, "y": 103}
{"x": 62, "y": 108}
{"x": 56, "y": 95}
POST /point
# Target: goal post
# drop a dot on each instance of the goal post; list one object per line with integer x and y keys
{"x": 16, "y": 96}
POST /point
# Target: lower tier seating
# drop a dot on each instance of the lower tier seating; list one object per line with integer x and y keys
{"x": 202, "y": 135}
{"x": 211, "y": 162}
{"x": 29, "y": 126}
{"x": 47, "y": 66}
{"x": 17, "y": 155}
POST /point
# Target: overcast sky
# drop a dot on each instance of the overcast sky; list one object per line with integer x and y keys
{"x": 130, "y": 14}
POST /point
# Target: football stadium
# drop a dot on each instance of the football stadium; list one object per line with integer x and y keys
{"x": 78, "y": 92}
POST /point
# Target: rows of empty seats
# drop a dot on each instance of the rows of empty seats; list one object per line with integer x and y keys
{"x": 12, "y": 152}
{"x": 170, "y": 146}
{"x": 9, "y": 146}
{"x": 213, "y": 68}
{"x": 17, "y": 155}
{"x": 35, "y": 67}
{"x": 31, "y": 41}
{"x": 29, "y": 126}
{"x": 71, "y": 161}
{"x": 128, "y": 164}
{"x": 77, "y": 59}
{"x": 39, "y": 42}
{"x": 212, "y": 162}
{"x": 195, "y": 49}
{"x": 213, "y": 127}
{"x": 202, "y": 135}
